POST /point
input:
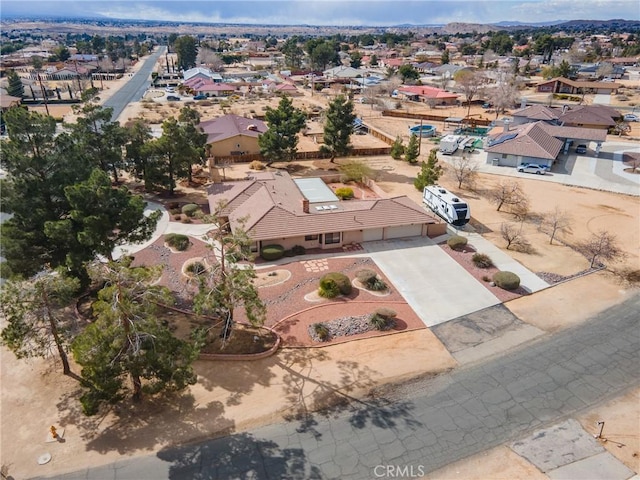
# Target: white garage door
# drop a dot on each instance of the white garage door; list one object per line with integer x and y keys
{"x": 372, "y": 234}
{"x": 403, "y": 231}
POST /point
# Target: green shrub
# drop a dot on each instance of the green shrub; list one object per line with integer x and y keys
{"x": 190, "y": 209}
{"x": 382, "y": 318}
{"x": 328, "y": 288}
{"x": 321, "y": 331}
{"x": 506, "y": 280}
{"x": 177, "y": 241}
{"x": 289, "y": 253}
{"x": 482, "y": 260}
{"x": 272, "y": 252}
{"x": 456, "y": 242}
{"x": 366, "y": 275}
{"x": 341, "y": 280}
{"x": 369, "y": 278}
{"x": 298, "y": 250}
{"x": 196, "y": 268}
{"x": 344, "y": 193}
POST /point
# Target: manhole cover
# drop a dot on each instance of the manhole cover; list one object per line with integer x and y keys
{"x": 44, "y": 458}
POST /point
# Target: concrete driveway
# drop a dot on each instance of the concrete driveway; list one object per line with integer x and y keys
{"x": 432, "y": 283}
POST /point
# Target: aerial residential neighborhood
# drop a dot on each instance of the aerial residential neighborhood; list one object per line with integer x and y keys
{"x": 283, "y": 246}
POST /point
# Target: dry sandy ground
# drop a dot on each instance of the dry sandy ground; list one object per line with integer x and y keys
{"x": 232, "y": 396}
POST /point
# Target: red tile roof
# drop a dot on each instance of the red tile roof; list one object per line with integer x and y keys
{"x": 230, "y": 126}
{"x": 272, "y": 205}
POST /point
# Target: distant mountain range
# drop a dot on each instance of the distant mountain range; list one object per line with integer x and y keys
{"x": 101, "y": 22}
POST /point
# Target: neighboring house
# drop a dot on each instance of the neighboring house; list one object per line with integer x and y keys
{"x": 449, "y": 71}
{"x": 593, "y": 71}
{"x": 203, "y": 73}
{"x": 537, "y": 142}
{"x": 233, "y": 135}
{"x": 281, "y": 210}
{"x": 287, "y": 89}
{"x": 587, "y": 116}
{"x": 426, "y": 94}
{"x": 7, "y": 101}
{"x": 570, "y": 87}
{"x": 344, "y": 72}
{"x": 391, "y": 62}
{"x": 215, "y": 89}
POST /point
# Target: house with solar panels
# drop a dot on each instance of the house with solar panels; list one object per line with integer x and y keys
{"x": 277, "y": 209}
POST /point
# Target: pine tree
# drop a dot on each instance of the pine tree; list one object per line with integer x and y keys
{"x": 397, "y": 149}
{"x": 411, "y": 152}
{"x": 430, "y": 171}
{"x": 338, "y": 127}
{"x": 280, "y": 142}
{"x": 15, "y": 87}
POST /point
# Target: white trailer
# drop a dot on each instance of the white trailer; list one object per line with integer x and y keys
{"x": 449, "y": 144}
{"x": 446, "y": 205}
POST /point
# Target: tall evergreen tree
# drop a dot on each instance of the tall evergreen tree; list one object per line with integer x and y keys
{"x": 128, "y": 342}
{"x": 338, "y": 127}
{"x": 137, "y": 152}
{"x": 430, "y": 171}
{"x": 279, "y": 143}
{"x": 15, "y": 87}
{"x": 185, "y": 47}
{"x": 35, "y": 322}
{"x": 411, "y": 152}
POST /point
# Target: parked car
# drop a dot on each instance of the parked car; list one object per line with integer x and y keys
{"x": 173, "y": 98}
{"x": 582, "y": 148}
{"x": 532, "y": 168}
{"x": 631, "y": 117}
{"x": 170, "y": 89}
{"x": 200, "y": 97}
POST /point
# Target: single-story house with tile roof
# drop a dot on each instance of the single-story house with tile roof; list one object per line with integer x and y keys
{"x": 587, "y": 116}
{"x": 280, "y": 210}
{"x": 537, "y": 142}
{"x": 287, "y": 89}
{"x": 571, "y": 87}
{"x": 232, "y": 135}
{"x": 342, "y": 71}
{"x": 215, "y": 89}
{"x": 426, "y": 94}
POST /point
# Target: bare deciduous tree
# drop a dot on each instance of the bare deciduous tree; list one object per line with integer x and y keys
{"x": 470, "y": 83}
{"x": 512, "y": 234}
{"x": 600, "y": 245}
{"x": 509, "y": 193}
{"x": 555, "y": 221}
{"x": 504, "y": 95}
{"x": 211, "y": 59}
{"x": 465, "y": 170}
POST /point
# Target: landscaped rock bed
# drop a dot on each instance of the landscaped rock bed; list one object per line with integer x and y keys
{"x": 347, "y": 326}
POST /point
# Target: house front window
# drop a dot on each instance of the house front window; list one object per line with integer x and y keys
{"x": 310, "y": 238}
{"x": 330, "y": 238}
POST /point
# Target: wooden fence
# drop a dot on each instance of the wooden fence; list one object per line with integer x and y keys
{"x": 434, "y": 118}
{"x": 316, "y": 154}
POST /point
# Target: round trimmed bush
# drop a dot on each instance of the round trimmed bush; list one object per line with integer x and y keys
{"x": 190, "y": 209}
{"x": 382, "y": 318}
{"x": 366, "y": 275}
{"x": 328, "y": 288}
{"x": 272, "y": 252}
{"x": 482, "y": 260}
{"x": 385, "y": 312}
{"x": 506, "y": 280}
{"x": 344, "y": 193}
{"x": 341, "y": 280}
{"x": 196, "y": 268}
{"x": 456, "y": 242}
{"x": 177, "y": 241}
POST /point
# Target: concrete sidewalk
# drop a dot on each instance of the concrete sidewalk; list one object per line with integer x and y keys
{"x": 163, "y": 227}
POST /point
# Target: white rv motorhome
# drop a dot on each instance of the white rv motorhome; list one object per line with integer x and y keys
{"x": 447, "y": 205}
{"x": 449, "y": 144}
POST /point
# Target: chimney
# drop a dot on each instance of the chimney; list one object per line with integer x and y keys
{"x": 506, "y": 125}
{"x": 305, "y": 205}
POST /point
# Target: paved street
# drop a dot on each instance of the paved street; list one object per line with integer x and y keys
{"x": 425, "y": 424}
{"x": 133, "y": 90}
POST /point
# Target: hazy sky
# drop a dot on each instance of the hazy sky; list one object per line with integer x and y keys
{"x": 334, "y": 12}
